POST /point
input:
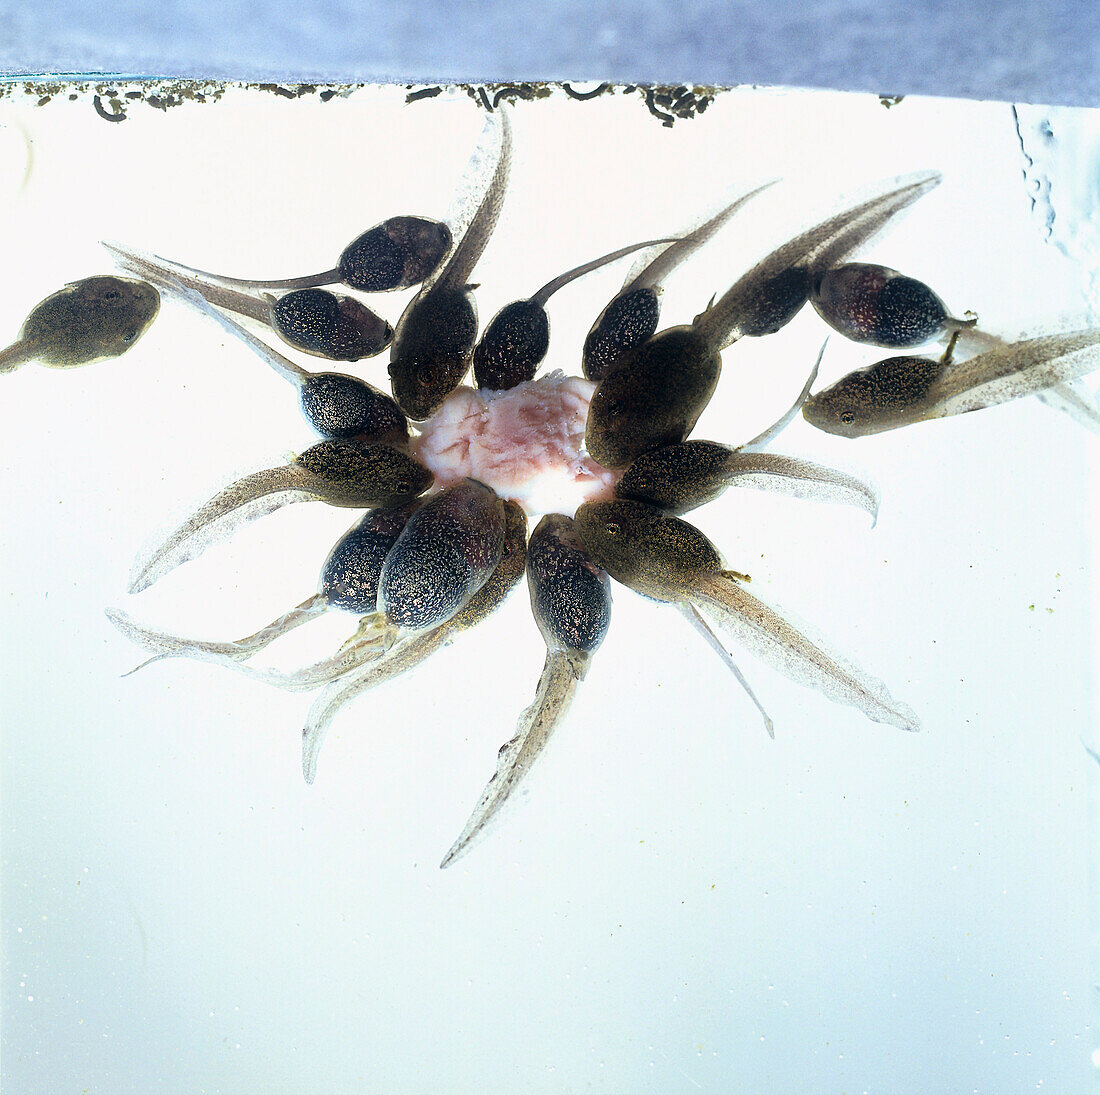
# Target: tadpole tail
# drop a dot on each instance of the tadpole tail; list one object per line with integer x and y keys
{"x": 163, "y": 273}
{"x": 1013, "y": 371}
{"x": 247, "y": 499}
{"x": 18, "y": 353}
{"x": 561, "y": 672}
{"x": 551, "y": 287}
{"x": 775, "y": 640}
{"x": 372, "y": 639}
{"x": 307, "y": 281}
{"x": 164, "y": 644}
{"x": 680, "y": 250}
{"x": 762, "y": 440}
{"x": 797, "y": 478}
{"x": 1076, "y": 399}
{"x": 871, "y": 219}
{"x": 203, "y": 303}
{"x": 483, "y": 217}
{"x": 405, "y": 654}
{"x": 699, "y": 622}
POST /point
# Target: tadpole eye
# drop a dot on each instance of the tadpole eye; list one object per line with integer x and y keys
{"x": 129, "y": 336}
{"x": 847, "y": 417}
{"x": 612, "y": 528}
{"x": 112, "y": 294}
{"x": 426, "y": 377}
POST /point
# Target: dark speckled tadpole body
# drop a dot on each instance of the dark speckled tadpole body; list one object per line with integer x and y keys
{"x": 327, "y": 325}
{"x": 680, "y": 477}
{"x": 570, "y": 595}
{"x": 432, "y": 348}
{"x": 342, "y": 407}
{"x": 352, "y": 474}
{"x": 445, "y": 554}
{"x": 645, "y": 549}
{"x": 653, "y": 400}
{"x": 869, "y": 303}
{"x": 779, "y": 301}
{"x": 513, "y": 346}
{"x": 91, "y": 320}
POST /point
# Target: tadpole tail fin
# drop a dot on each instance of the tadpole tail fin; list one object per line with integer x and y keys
{"x": 405, "y": 654}
{"x": 561, "y": 672}
{"x": 1012, "y": 371}
{"x": 247, "y": 499}
{"x": 767, "y": 634}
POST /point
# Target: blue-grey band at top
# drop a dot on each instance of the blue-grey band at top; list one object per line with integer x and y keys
{"x": 1033, "y": 51}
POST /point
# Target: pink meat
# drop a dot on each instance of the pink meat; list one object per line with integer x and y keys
{"x": 526, "y": 443}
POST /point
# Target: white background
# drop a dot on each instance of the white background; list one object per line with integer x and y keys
{"x": 678, "y": 904}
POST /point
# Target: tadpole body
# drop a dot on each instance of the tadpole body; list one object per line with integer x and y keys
{"x": 654, "y": 400}
{"x": 445, "y": 553}
{"x": 328, "y": 325}
{"x": 89, "y": 320}
{"x": 877, "y": 305}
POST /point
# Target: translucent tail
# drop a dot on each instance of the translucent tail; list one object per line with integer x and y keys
{"x": 405, "y": 654}
{"x": 699, "y": 622}
{"x": 775, "y": 640}
{"x": 248, "y": 498}
{"x": 1014, "y": 370}
{"x": 561, "y": 672}
{"x": 164, "y": 644}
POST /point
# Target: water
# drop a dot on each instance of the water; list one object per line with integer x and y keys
{"x": 677, "y": 904}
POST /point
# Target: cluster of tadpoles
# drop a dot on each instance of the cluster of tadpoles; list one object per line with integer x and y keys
{"x": 417, "y": 571}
